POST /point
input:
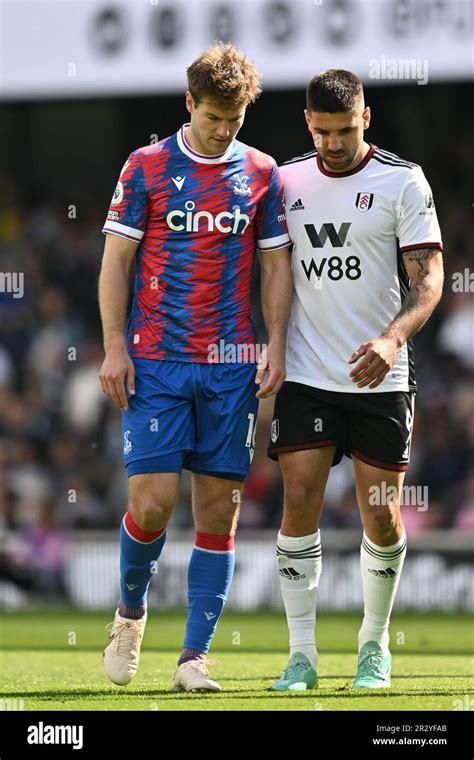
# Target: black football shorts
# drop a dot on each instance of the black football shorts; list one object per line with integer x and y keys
{"x": 374, "y": 427}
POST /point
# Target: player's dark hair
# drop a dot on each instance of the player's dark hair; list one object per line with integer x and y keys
{"x": 222, "y": 73}
{"x": 333, "y": 91}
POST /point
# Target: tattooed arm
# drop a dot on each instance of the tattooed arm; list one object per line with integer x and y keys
{"x": 425, "y": 269}
{"x": 376, "y": 357}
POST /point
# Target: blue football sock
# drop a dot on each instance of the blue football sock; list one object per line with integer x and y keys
{"x": 210, "y": 572}
{"x": 139, "y": 552}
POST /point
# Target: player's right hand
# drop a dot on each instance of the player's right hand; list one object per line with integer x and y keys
{"x": 271, "y": 360}
{"x": 117, "y": 368}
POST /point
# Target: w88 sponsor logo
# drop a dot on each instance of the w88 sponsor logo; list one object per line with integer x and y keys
{"x": 335, "y": 267}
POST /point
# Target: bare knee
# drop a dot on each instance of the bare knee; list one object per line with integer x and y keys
{"x": 302, "y": 508}
{"x": 217, "y": 516}
{"x": 383, "y": 527}
{"x": 148, "y": 513}
{"x": 298, "y": 494}
{"x": 150, "y": 509}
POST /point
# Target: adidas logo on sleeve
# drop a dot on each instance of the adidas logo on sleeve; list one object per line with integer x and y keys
{"x": 297, "y": 205}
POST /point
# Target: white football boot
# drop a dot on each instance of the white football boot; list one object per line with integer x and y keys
{"x": 122, "y": 653}
{"x": 193, "y": 675}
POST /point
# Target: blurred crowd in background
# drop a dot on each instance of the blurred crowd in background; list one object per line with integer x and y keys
{"x": 61, "y": 464}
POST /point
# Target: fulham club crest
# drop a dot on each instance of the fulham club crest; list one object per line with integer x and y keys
{"x": 364, "y": 201}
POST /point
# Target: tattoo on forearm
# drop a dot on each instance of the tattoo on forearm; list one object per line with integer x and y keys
{"x": 412, "y": 300}
{"x": 422, "y": 257}
{"x": 421, "y": 291}
{"x": 420, "y": 286}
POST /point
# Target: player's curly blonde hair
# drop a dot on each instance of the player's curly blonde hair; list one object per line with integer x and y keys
{"x": 223, "y": 74}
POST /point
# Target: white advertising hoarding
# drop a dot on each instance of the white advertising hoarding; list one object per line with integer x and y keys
{"x": 80, "y": 48}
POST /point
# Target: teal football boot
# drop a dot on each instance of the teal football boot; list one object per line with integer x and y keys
{"x": 297, "y": 676}
{"x": 373, "y": 670}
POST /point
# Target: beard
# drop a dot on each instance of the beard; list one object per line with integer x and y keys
{"x": 343, "y": 163}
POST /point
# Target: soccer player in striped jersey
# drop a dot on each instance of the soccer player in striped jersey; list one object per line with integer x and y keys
{"x": 191, "y": 210}
{"x": 368, "y": 273}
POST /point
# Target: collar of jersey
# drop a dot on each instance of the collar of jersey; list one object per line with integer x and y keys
{"x": 356, "y": 169}
{"x": 199, "y": 157}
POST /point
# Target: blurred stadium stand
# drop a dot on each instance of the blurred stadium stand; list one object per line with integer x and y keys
{"x": 61, "y": 469}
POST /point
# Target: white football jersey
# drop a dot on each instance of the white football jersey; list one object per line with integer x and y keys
{"x": 349, "y": 231}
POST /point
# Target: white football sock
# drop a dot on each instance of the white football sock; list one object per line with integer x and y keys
{"x": 299, "y": 566}
{"x": 381, "y": 567}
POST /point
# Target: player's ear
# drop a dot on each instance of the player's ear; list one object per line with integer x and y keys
{"x": 366, "y": 114}
{"x": 189, "y": 102}
{"x": 307, "y": 116}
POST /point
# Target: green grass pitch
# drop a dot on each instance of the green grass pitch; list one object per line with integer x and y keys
{"x": 52, "y": 660}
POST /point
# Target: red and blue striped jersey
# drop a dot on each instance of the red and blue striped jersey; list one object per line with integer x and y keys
{"x": 198, "y": 221}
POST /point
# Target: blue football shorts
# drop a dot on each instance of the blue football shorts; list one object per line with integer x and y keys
{"x": 201, "y": 417}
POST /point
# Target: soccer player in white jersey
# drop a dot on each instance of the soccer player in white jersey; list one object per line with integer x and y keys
{"x": 368, "y": 274}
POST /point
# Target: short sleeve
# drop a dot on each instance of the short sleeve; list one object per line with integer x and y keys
{"x": 417, "y": 223}
{"x": 128, "y": 211}
{"x": 272, "y": 231}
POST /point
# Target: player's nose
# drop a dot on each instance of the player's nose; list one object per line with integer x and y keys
{"x": 223, "y": 130}
{"x": 334, "y": 143}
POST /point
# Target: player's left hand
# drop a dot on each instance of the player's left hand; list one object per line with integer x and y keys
{"x": 377, "y": 357}
{"x": 272, "y": 360}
